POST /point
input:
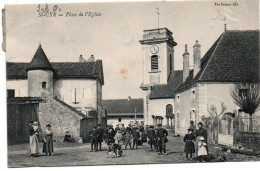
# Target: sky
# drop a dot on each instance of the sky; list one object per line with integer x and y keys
{"x": 114, "y": 36}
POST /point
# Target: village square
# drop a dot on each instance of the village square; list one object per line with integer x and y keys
{"x": 207, "y": 111}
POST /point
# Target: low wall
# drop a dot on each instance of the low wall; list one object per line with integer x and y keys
{"x": 248, "y": 139}
{"x": 61, "y": 118}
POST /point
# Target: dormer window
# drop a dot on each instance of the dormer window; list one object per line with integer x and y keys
{"x": 44, "y": 84}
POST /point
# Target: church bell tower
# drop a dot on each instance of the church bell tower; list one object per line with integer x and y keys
{"x": 158, "y": 61}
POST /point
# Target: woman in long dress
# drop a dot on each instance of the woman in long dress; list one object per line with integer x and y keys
{"x": 48, "y": 141}
{"x": 34, "y": 142}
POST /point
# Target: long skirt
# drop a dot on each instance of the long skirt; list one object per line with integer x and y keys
{"x": 189, "y": 147}
{"x": 34, "y": 144}
{"x": 48, "y": 145}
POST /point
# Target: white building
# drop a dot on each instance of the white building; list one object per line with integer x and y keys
{"x": 124, "y": 111}
{"x": 75, "y": 87}
{"x": 159, "y": 79}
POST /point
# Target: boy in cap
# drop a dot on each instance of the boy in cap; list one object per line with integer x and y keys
{"x": 99, "y": 136}
{"x": 151, "y": 137}
{"x": 162, "y": 136}
{"x": 189, "y": 146}
{"x": 136, "y": 137}
{"x": 93, "y": 135}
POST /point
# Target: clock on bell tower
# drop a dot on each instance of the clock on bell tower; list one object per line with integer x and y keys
{"x": 158, "y": 59}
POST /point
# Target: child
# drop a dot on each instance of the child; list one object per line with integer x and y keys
{"x": 128, "y": 138}
{"x": 189, "y": 146}
{"x": 67, "y": 137}
{"x": 202, "y": 148}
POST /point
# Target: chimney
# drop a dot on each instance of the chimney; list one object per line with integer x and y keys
{"x": 196, "y": 58}
{"x": 185, "y": 63}
{"x": 81, "y": 59}
{"x": 91, "y": 59}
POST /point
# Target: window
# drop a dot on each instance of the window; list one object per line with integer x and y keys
{"x": 119, "y": 119}
{"x": 75, "y": 96}
{"x": 154, "y": 62}
{"x": 142, "y": 116}
{"x": 169, "y": 110}
{"x": 170, "y": 62}
{"x": 44, "y": 85}
{"x": 10, "y": 93}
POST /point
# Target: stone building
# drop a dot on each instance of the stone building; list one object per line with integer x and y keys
{"x": 124, "y": 111}
{"x": 234, "y": 57}
{"x": 71, "y": 90}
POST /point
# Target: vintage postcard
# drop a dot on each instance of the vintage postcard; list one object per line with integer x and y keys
{"x": 120, "y": 83}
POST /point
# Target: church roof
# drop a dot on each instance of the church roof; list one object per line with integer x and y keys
{"x": 167, "y": 90}
{"x": 233, "y": 57}
{"x": 123, "y": 106}
{"x": 40, "y": 61}
{"x": 62, "y": 70}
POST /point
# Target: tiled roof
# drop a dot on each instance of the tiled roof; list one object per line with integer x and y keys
{"x": 40, "y": 61}
{"x": 233, "y": 57}
{"x": 61, "y": 70}
{"x": 167, "y": 90}
{"x": 123, "y": 106}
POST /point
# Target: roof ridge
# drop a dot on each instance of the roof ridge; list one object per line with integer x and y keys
{"x": 124, "y": 99}
{"x": 219, "y": 40}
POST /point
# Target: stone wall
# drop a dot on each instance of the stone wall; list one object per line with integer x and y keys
{"x": 61, "y": 118}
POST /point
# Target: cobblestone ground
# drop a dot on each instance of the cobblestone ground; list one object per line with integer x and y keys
{"x": 79, "y": 154}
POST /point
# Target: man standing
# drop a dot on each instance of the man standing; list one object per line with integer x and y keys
{"x": 201, "y": 132}
{"x": 162, "y": 135}
{"x": 93, "y": 135}
{"x": 151, "y": 136}
{"x": 136, "y": 136}
{"x": 156, "y": 141}
{"x": 99, "y": 136}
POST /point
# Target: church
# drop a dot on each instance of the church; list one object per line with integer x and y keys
{"x": 173, "y": 98}
{"x": 71, "y": 91}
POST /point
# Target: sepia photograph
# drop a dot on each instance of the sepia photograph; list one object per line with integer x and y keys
{"x": 130, "y": 83}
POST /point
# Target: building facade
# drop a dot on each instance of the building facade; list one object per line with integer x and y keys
{"x": 124, "y": 111}
{"x": 72, "y": 90}
{"x": 234, "y": 57}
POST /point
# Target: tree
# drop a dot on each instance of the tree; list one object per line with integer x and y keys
{"x": 247, "y": 97}
{"x": 215, "y": 117}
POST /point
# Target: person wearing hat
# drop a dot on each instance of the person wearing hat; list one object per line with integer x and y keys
{"x": 200, "y": 132}
{"x": 136, "y": 137}
{"x": 202, "y": 148}
{"x": 48, "y": 141}
{"x": 34, "y": 142}
{"x": 162, "y": 138}
{"x": 99, "y": 136}
{"x": 192, "y": 126}
{"x": 189, "y": 146}
{"x": 151, "y": 137}
{"x": 94, "y": 142}
{"x": 156, "y": 141}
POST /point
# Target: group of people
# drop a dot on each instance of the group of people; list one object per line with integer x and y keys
{"x": 34, "y": 131}
{"x": 131, "y": 136}
{"x": 196, "y": 142}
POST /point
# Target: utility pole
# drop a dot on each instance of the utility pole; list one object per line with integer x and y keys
{"x": 135, "y": 114}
